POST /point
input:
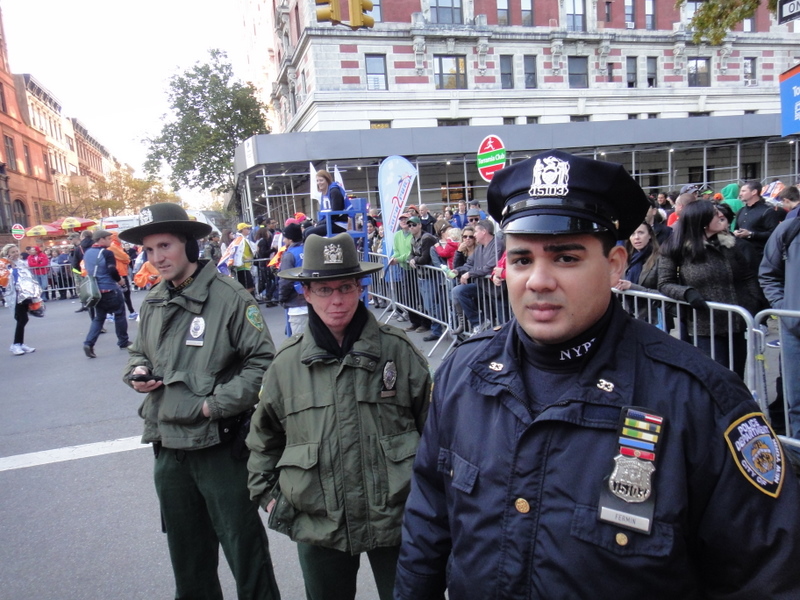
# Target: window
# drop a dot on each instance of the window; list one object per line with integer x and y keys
{"x": 751, "y": 112}
{"x": 507, "y": 72}
{"x": 575, "y": 15}
{"x": 630, "y": 14}
{"x": 749, "y": 25}
{"x": 375, "y": 13}
{"x": 610, "y": 72}
{"x": 608, "y": 12}
{"x": 502, "y": 12}
{"x": 71, "y": 143}
{"x": 690, "y": 7}
{"x": 578, "y": 72}
{"x": 652, "y": 71}
{"x": 446, "y": 11}
{"x": 450, "y": 72}
{"x": 630, "y": 66}
{"x": 749, "y": 66}
{"x": 531, "y": 120}
{"x": 698, "y": 72}
{"x": 26, "y": 152}
{"x": 703, "y": 113}
{"x": 527, "y": 13}
{"x": 376, "y": 71}
{"x": 11, "y": 154}
{"x": 652, "y": 115}
{"x": 3, "y": 105}
{"x": 46, "y": 162}
{"x": 695, "y": 174}
{"x": 455, "y": 192}
{"x": 18, "y": 213}
{"x": 529, "y": 63}
{"x": 632, "y": 116}
{"x": 509, "y": 120}
{"x": 380, "y": 124}
{"x": 579, "y": 118}
{"x": 452, "y": 122}
{"x": 649, "y": 14}
{"x": 750, "y": 171}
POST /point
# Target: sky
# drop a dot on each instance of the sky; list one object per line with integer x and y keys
{"x": 109, "y": 63}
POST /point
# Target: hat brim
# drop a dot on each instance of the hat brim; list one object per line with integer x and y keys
{"x": 192, "y": 229}
{"x": 549, "y": 224}
{"x": 300, "y": 274}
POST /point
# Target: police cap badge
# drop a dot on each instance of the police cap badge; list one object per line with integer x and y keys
{"x": 558, "y": 193}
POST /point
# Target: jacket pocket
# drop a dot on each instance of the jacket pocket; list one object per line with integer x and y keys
{"x": 183, "y": 396}
{"x": 586, "y": 527}
{"x": 299, "y": 479}
{"x": 462, "y": 474}
{"x": 399, "y": 450}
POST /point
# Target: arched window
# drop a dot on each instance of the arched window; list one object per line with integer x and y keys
{"x": 18, "y": 213}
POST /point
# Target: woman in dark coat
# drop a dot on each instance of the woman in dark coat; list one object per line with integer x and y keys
{"x": 702, "y": 262}
{"x": 642, "y": 273}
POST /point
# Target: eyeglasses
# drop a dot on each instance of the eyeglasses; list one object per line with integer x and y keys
{"x": 468, "y": 237}
{"x": 474, "y": 219}
{"x": 344, "y": 290}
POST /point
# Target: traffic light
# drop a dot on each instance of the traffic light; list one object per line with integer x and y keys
{"x": 330, "y": 10}
{"x": 357, "y": 16}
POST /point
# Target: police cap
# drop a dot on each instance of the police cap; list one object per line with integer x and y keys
{"x": 558, "y": 193}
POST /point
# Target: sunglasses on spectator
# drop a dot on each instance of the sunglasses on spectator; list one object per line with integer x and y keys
{"x": 415, "y": 224}
{"x": 474, "y": 219}
{"x": 467, "y": 237}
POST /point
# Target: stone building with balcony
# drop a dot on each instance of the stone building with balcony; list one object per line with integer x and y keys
{"x": 482, "y": 66}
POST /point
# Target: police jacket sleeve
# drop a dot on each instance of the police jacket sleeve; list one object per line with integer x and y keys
{"x": 426, "y": 538}
{"x": 266, "y": 440}
{"x": 746, "y": 535}
{"x": 772, "y": 272}
{"x": 239, "y": 392}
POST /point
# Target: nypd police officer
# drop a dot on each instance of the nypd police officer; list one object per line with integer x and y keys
{"x": 580, "y": 453}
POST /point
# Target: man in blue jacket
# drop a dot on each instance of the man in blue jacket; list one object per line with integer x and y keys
{"x": 580, "y": 453}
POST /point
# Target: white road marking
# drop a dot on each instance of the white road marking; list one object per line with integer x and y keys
{"x": 46, "y": 457}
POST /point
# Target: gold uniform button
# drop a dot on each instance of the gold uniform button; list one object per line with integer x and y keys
{"x": 522, "y": 505}
{"x": 622, "y": 539}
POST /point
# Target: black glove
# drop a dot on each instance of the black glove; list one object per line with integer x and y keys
{"x": 693, "y": 297}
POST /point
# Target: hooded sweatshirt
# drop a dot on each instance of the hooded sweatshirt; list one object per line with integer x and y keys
{"x": 730, "y": 196}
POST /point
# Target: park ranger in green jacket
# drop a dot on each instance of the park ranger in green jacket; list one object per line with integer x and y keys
{"x": 337, "y": 426}
{"x": 200, "y": 354}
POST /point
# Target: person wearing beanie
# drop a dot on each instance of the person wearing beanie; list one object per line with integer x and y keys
{"x": 290, "y": 294}
{"x": 198, "y": 361}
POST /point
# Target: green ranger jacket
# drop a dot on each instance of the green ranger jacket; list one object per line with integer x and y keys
{"x": 210, "y": 344}
{"x": 334, "y": 442}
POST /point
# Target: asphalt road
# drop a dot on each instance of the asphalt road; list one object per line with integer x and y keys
{"x": 89, "y": 528}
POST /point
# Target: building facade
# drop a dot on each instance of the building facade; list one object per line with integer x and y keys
{"x": 430, "y": 63}
{"x": 25, "y": 184}
{"x": 615, "y": 79}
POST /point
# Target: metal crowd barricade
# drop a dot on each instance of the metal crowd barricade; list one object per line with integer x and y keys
{"x": 60, "y": 282}
{"x": 763, "y": 395}
{"x": 493, "y": 306}
{"x": 436, "y": 291}
{"x": 679, "y": 319}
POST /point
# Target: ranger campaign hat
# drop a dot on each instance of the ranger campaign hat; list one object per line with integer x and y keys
{"x": 165, "y": 217}
{"x": 330, "y": 258}
{"x": 557, "y": 193}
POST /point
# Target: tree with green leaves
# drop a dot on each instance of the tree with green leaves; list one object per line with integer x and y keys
{"x": 120, "y": 194}
{"x": 715, "y": 18}
{"x": 211, "y": 115}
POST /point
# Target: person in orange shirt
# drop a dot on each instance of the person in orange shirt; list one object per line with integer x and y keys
{"x": 147, "y": 276}
{"x": 123, "y": 260}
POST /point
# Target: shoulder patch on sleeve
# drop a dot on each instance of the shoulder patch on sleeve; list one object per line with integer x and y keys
{"x": 255, "y": 317}
{"x": 757, "y": 452}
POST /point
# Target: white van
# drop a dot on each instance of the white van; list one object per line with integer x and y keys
{"x": 120, "y": 222}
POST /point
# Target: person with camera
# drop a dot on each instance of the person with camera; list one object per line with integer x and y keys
{"x": 200, "y": 354}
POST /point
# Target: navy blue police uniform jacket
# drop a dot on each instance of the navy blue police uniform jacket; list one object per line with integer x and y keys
{"x": 504, "y": 502}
